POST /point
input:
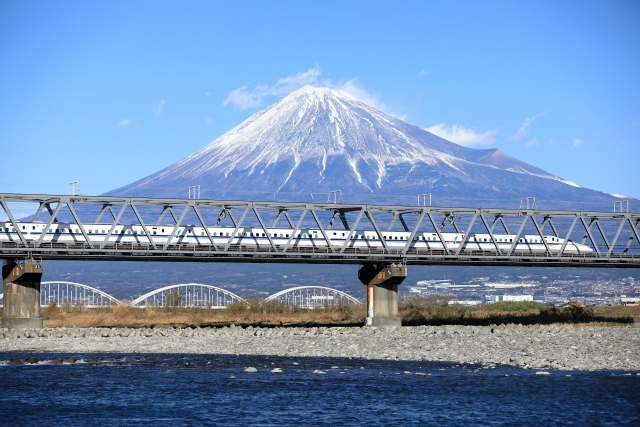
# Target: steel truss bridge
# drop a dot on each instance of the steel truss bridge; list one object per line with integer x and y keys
{"x": 613, "y": 236}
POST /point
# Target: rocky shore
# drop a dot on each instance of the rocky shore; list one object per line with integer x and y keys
{"x": 563, "y": 347}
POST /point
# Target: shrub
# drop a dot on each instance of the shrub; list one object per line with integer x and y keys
{"x": 121, "y": 309}
{"x": 517, "y": 306}
{"x": 425, "y": 303}
{"x": 346, "y": 311}
{"x": 237, "y": 308}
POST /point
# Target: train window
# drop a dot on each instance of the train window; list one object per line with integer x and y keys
{"x": 162, "y": 231}
{"x": 128, "y": 231}
{"x": 304, "y": 235}
{"x": 34, "y": 227}
{"x": 263, "y": 234}
{"x": 334, "y": 233}
{"x": 226, "y": 234}
{"x": 287, "y": 235}
{"x": 154, "y": 232}
{"x": 511, "y": 240}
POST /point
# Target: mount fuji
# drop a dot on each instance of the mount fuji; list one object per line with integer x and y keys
{"x": 316, "y": 140}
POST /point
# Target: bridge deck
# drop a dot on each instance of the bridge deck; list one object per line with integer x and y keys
{"x": 201, "y": 253}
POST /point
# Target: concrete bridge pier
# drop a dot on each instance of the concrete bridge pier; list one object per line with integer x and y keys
{"x": 22, "y": 294}
{"x": 382, "y": 280}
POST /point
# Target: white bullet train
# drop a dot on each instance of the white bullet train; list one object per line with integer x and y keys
{"x": 68, "y": 233}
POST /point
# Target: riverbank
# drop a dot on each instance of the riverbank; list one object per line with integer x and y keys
{"x": 562, "y": 347}
{"x": 412, "y": 313}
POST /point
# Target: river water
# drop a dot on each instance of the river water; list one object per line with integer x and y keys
{"x": 135, "y": 389}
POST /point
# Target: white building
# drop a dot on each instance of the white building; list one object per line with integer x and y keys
{"x": 498, "y": 298}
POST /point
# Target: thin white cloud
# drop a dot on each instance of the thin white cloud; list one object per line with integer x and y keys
{"x": 208, "y": 120}
{"x": 208, "y": 93}
{"x": 525, "y": 126}
{"x": 533, "y": 143}
{"x": 633, "y": 123}
{"x": 352, "y": 88}
{"x": 461, "y": 135}
{"x": 245, "y": 98}
{"x": 124, "y": 122}
{"x": 422, "y": 73}
{"x": 159, "y": 109}
{"x": 576, "y": 143}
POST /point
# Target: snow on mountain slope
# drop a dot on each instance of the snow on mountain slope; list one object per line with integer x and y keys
{"x": 319, "y": 139}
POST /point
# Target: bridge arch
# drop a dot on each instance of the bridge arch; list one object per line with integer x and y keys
{"x": 312, "y": 297}
{"x": 189, "y": 295}
{"x": 72, "y": 293}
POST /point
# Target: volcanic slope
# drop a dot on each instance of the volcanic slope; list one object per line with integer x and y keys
{"x": 319, "y": 139}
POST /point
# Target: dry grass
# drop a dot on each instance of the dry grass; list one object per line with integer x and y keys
{"x": 421, "y": 312}
{"x": 618, "y": 311}
{"x": 125, "y": 316}
{"x": 414, "y": 312}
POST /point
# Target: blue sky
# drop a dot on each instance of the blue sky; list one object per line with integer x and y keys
{"x": 106, "y": 93}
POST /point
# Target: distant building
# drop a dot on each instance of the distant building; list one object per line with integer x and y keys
{"x": 498, "y": 298}
{"x": 467, "y": 302}
{"x": 510, "y": 285}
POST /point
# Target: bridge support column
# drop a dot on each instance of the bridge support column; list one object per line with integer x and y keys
{"x": 22, "y": 294}
{"x": 382, "y": 282}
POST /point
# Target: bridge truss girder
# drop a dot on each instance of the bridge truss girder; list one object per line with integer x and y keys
{"x": 614, "y": 236}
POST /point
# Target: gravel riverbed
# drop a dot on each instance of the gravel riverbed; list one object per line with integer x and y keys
{"x": 563, "y": 347}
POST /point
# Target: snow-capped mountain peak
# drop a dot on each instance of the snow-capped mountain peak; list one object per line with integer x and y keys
{"x": 319, "y": 139}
